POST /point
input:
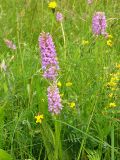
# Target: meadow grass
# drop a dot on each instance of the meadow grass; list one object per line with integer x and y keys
{"x": 88, "y": 131}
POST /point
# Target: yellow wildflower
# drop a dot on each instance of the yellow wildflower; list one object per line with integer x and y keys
{"x": 112, "y": 105}
{"x": 109, "y": 36}
{"x": 39, "y": 118}
{"x": 111, "y": 84}
{"x": 72, "y": 104}
{"x": 59, "y": 84}
{"x": 109, "y": 43}
{"x": 113, "y": 79}
{"x": 52, "y": 5}
{"x": 84, "y": 42}
{"x": 68, "y": 84}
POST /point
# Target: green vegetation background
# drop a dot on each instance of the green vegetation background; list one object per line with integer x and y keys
{"x": 80, "y": 133}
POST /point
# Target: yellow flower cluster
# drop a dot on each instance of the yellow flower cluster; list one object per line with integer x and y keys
{"x": 109, "y": 41}
{"x": 85, "y": 42}
{"x": 39, "y": 118}
{"x": 72, "y": 105}
{"x": 112, "y": 105}
{"x": 113, "y": 81}
{"x": 109, "y": 36}
{"x": 68, "y": 84}
{"x": 59, "y": 84}
{"x": 110, "y": 95}
{"x": 113, "y": 85}
{"x": 52, "y": 5}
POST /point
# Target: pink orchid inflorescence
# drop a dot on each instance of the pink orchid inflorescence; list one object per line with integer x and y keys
{"x": 10, "y": 44}
{"x": 99, "y": 23}
{"x": 59, "y": 17}
{"x": 54, "y": 99}
{"x": 48, "y": 56}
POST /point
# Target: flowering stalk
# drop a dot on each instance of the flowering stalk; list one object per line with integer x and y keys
{"x": 99, "y": 23}
{"x": 59, "y": 18}
{"x": 50, "y": 71}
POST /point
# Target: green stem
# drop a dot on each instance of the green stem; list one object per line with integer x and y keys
{"x": 57, "y": 141}
{"x": 19, "y": 43}
{"x": 52, "y": 24}
{"x": 63, "y": 34}
{"x": 112, "y": 143}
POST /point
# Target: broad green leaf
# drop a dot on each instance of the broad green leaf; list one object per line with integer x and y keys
{"x": 4, "y": 155}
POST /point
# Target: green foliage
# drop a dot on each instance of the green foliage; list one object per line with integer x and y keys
{"x": 93, "y": 155}
{"x": 85, "y": 132}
